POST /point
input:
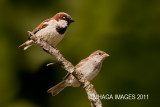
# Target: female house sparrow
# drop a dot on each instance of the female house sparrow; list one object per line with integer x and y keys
{"x": 89, "y": 67}
{"x": 51, "y": 30}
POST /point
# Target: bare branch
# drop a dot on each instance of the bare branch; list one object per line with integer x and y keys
{"x": 50, "y": 64}
{"x": 92, "y": 94}
{"x": 56, "y": 63}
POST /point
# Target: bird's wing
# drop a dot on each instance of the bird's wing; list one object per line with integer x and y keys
{"x": 77, "y": 66}
{"x": 41, "y": 26}
{"x": 81, "y": 62}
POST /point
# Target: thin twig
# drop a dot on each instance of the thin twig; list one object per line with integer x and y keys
{"x": 55, "y": 63}
{"x": 50, "y": 64}
{"x": 91, "y": 92}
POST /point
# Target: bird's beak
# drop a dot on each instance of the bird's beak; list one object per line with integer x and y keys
{"x": 72, "y": 20}
{"x": 105, "y": 55}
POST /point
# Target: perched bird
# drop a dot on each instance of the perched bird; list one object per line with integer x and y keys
{"x": 89, "y": 67}
{"x": 51, "y": 30}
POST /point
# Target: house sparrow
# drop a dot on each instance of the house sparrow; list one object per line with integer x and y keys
{"x": 51, "y": 30}
{"x": 89, "y": 67}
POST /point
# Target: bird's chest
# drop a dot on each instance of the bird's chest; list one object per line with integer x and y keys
{"x": 54, "y": 39}
{"x": 90, "y": 70}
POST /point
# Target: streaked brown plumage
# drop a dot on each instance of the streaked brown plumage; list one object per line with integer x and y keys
{"x": 89, "y": 66}
{"x": 51, "y": 30}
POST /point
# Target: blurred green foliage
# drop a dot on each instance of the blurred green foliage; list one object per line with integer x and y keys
{"x": 128, "y": 30}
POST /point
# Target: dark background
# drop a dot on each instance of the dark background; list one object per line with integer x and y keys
{"x": 128, "y": 30}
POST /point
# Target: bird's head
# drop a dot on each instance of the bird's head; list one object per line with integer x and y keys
{"x": 63, "y": 18}
{"x": 99, "y": 55}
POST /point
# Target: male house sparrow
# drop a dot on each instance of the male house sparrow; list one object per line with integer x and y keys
{"x": 89, "y": 67}
{"x": 51, "y": 30}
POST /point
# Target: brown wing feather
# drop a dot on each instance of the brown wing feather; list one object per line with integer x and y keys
{"x": 78, "y": 65}
{"x": 81, "y": 62}
{"x": 41, "y": 26}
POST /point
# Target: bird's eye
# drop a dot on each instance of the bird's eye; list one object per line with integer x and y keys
{"x": 64, "y": 17}
{"x": 100, "y": 53}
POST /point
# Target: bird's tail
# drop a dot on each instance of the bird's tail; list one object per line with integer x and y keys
{"x": 58, "y": 88}
{"x": 26, "y": 44}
